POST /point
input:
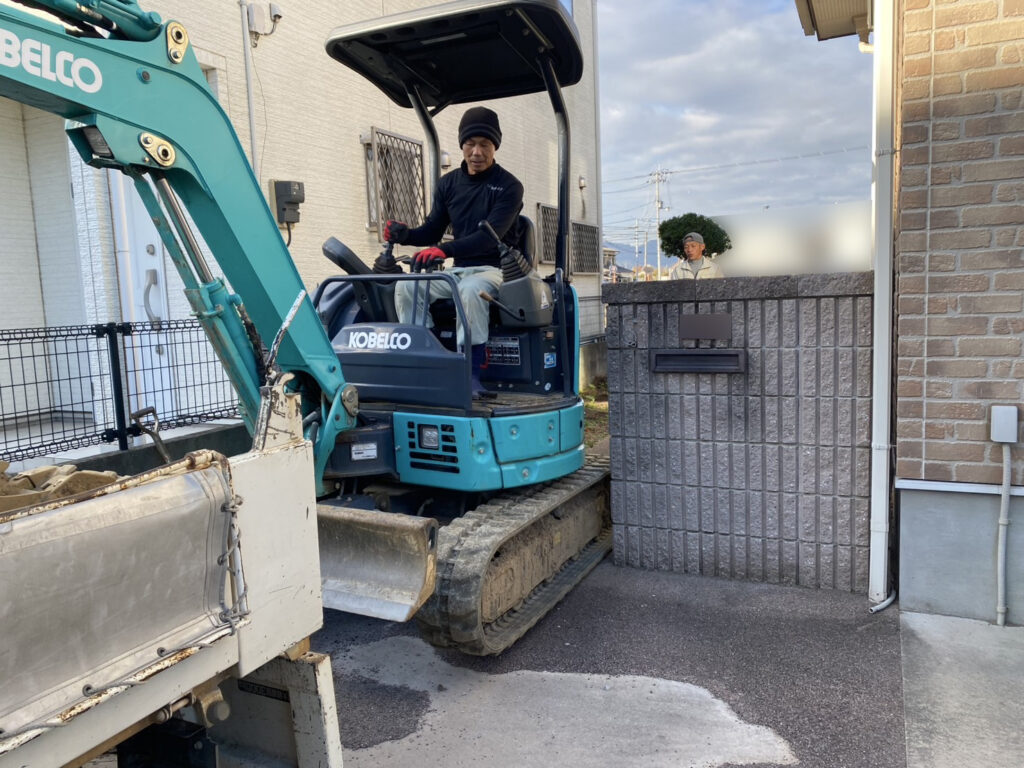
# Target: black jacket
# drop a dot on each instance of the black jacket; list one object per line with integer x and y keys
{"x": 464, "y": 200}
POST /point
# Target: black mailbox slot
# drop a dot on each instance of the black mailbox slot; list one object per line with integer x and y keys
{"x": 699, "y": 361}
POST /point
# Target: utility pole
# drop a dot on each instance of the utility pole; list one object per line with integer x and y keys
{"x": 647, "y": 236}
{"x": 659, "y": 177}
{"x": 636, "y": 241}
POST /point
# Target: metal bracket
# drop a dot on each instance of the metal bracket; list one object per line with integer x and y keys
{"x": 350, "y": 399}
{"x": 158, "y": 149}
{"x": 177, "y": 42}
{"x": 280, "y": 420}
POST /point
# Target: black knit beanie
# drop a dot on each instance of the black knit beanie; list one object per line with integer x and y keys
{"x": 480, "y": 121}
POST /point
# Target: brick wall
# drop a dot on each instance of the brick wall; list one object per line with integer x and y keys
{"x": 762, "y": 475}
{"x": 960, "y": 288}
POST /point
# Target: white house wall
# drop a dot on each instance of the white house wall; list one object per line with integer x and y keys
{"x": 21, "y": 303}
{"x": 310, "y": 113}
{"x": 94, "y": 230}
{"x": 55, "y": 229}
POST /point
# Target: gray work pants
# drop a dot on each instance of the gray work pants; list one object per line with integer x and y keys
{"x": 471, "y": 280}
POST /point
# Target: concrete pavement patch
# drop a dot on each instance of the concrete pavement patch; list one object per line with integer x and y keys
{"x": 550, "y": 718}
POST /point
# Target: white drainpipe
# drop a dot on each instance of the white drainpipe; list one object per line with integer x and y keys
{"x": 884, "y": 65}
{"x": 243, "y": 6}
{"x": 1004, "y": 522}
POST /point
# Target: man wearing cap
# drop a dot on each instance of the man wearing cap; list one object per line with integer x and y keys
{"x": 695, "y": 266}
{"x": 478, "y": 190}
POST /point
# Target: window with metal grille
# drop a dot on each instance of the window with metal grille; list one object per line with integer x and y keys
{"x": 584, "y": 241}
{"x": 547, "y": 225}
{"x": 394, "y": 180}
{"x": 585, "y": 247}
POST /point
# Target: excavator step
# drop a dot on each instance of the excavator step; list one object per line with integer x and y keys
{"x": 502, "y": 566}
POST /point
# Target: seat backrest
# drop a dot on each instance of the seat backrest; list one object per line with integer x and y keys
{"x": 528, "y": 240}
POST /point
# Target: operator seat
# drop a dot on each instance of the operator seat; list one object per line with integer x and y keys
{"x": 376, "y": 300}
{"x": 443, "y": 310}
{"x": 528, "y": 241}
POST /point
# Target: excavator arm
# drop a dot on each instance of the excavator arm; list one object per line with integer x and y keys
{"x": 135, "y": 99}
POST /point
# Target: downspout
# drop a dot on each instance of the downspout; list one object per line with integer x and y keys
{"x": 1004, "y": 522}
{"x": 243, "y": 6}
{"x": 599, "y": 198}
{"x": 882, "y": 202}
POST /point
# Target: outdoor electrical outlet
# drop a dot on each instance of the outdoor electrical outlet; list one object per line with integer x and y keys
{"x": 1004, "y": 424}
{"x": 285, "y": 199}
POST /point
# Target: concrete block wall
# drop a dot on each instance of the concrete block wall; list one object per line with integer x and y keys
{"x": 961, "y": 236}
{"x": 762, "y": 475}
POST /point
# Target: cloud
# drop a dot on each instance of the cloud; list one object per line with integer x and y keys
{"x": 732, "y": 84}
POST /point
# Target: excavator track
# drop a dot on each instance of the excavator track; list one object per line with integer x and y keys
{"x": 502, "y": 566}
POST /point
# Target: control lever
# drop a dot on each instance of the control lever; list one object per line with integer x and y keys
{"x": 486, "y": 225}
{"x": 513, "y": 265}
{"x": 520, "y": 315}
{"x": 386, "y": 263}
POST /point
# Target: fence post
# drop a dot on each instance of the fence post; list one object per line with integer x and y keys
{"x": 112, "y": 331}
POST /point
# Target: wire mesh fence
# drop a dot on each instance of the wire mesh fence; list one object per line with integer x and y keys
{"x": 71, "y": 387}
{"x": 172, "y": 367}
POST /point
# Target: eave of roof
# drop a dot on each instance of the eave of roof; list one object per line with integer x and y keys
{"x": 829, "y": 19}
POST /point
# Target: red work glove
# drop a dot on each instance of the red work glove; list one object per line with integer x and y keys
{"x": 395, "y": 232}
{"x": 427, "y": 257}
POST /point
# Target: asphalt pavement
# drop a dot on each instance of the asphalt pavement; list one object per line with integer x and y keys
{"x": 635, "y": 668}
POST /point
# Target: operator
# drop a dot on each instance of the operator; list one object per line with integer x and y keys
{"x": 478, "y": 190}
{"x": 694, "y": 265}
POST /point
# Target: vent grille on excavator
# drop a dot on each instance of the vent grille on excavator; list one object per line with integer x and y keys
{"x": 444, "y": 458}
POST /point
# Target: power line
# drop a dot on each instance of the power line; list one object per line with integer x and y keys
{"x": 630, "y": 210}
{"x": 623, "y": 191}
{"x": 743, "y": 163}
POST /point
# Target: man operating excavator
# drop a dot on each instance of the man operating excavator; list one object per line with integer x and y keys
{"x": 479, "y": 190}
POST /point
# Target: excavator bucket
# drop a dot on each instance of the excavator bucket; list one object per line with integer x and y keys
{"x": 373, "y": 563}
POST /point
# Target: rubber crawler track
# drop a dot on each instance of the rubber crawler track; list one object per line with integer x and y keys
{"x": 453, "y": 616}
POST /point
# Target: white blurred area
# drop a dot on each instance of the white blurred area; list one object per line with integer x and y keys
{"x": 791, "y": 241}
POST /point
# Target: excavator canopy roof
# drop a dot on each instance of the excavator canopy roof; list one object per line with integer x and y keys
{"x": 463, "y": 51}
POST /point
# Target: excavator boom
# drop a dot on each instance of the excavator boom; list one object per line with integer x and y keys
{"x": 135, "y": 99}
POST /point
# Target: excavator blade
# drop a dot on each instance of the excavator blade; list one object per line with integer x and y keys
{"x": 379, "y": 564}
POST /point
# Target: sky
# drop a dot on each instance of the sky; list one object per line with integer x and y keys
{"x": 726, "y": 93}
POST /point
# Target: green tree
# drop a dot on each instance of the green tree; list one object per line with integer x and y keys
{"x": 673, "y": 231}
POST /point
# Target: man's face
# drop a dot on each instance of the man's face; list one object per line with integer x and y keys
{"x": 693, "y": 250}
{"x": 478, "y": 153}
